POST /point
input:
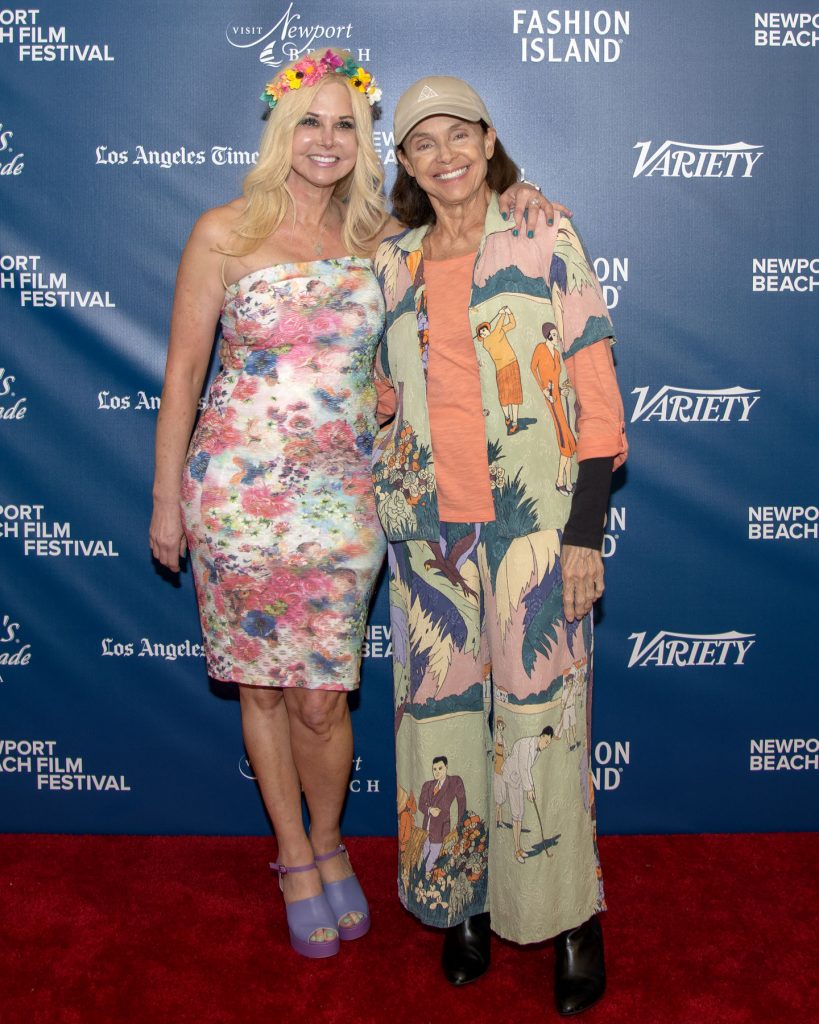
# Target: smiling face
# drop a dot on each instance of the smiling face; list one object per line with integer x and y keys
{"x": 448, "y": 158}
{"x": 325, "y": 147}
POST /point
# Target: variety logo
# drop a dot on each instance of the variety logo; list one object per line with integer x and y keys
{"x": 13, "y": 653}
{"x": 669, "y": 404}
{"x": 786, "y": 275}
{"x": 53, "y": 773}
{"x": 11, "y": 162}
{"x": 609, "y": 761}
{"x": 615, "y": 528}
{"x": 289, "y": 38}
{"x": 784, "y": 755}
{"x": 783, "y": 522}
{"x": 38, "y": 41}
{"x": 12, "y": 405}
{"x": 612, "y": 273}
{"x": 571, "y": 36}
{"x": 689, "y": 650}
{"x": 43, "y": 538}
{"x": 786, "y": 28}
{"x": 38, "y": 287}
{"x": 689, "y": 160}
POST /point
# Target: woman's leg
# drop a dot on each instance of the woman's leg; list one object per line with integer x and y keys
{"x": 555, "y": 886}
{"x": 321, "y": 738}
{"x": 266, "y": 731}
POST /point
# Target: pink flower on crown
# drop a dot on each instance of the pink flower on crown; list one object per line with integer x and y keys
{"x": 309, "y": 71}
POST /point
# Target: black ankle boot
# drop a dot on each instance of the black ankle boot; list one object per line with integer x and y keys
{"x": 465, "y": 956}
{"x": 580, "y": 973}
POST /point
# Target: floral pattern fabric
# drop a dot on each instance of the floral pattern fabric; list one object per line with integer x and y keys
{"x": 276, "y": 494}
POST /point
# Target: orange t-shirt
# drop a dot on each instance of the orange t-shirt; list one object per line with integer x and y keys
{"x": 456, "y": 408}
{"x": 454, "y": 395}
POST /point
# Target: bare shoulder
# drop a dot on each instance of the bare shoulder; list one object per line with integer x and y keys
{"x": 214, "y": 228}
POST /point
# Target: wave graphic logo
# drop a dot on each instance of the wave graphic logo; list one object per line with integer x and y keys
{"x": 287, "y": 39}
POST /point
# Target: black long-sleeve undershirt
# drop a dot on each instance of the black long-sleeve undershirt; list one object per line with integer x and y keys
{"x": 590, "y": 502}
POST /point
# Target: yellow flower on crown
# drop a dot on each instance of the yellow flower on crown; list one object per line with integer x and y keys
{"x": 293, "y": 80}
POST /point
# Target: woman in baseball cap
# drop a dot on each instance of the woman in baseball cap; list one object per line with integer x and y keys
{"x": 501, "y": 424}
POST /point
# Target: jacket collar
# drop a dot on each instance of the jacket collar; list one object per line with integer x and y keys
{"x": 413, "y": 238}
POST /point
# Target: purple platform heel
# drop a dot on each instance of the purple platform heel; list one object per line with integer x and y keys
{"x": 346, "y": 897}
{"x": 308, "y": 916}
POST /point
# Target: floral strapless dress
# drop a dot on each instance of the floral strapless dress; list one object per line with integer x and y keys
{"x": 277, "y": 497}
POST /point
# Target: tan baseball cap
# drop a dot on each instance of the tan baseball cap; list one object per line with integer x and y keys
{"x": 437, "y": 94}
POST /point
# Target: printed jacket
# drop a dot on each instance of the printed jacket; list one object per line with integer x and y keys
{"x": 519, "y": 285}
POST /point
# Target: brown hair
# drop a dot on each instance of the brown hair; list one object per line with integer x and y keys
{"x": 411, "y": 204}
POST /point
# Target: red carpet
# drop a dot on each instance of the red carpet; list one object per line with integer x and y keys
{"x": 119, "y": 930}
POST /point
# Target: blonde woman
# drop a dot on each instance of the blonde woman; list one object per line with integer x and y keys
{"x": 272, "y": 494}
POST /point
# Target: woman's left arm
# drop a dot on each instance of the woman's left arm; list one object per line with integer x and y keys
{"x": 601, "y": 446}
{"x": 523, "y": 202}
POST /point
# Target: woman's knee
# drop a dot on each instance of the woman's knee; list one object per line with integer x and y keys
{"x": 319, "y": 711}
{"x": 260, "y": 700}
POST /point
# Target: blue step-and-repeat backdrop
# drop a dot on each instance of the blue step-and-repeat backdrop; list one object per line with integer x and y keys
{"x": 683, "y": 134}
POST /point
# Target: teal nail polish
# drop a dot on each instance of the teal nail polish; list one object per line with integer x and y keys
{"x": 505, "y": 216}
{"x": 515, "y": 233}
{"x": 550, "y": 221}
{"x": 530, "y": 234}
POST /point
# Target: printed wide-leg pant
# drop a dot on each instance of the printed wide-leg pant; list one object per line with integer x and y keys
{"x": 492, "y": 703}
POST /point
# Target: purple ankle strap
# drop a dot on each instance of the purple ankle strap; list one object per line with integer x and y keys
{"x": 280, "y": 869}
{"x": 341, "y": 848}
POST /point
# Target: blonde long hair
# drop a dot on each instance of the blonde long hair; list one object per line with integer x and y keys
{"x": 265, "y": 187}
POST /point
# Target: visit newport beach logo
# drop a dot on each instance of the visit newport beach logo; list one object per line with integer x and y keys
{"x": 687, "y": 650}
{"x": 691, "y": 160}
{"x": 287, "y": 39}
{"x": 669, "y": 404}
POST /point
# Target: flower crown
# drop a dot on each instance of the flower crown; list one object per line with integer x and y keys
{"x": 309, "y": 71}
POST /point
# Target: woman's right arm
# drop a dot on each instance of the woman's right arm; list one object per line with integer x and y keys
{"x": 196, "y": 306}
